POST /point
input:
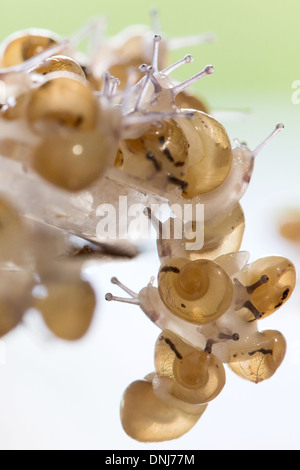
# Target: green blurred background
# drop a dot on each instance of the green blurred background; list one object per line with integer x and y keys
{"x": 256, "y": 56}
{"x": 258, "y": 40}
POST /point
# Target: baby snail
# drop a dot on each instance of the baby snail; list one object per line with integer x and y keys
{"x": 16, "y": 284}
{"x": 259, "y": 358}
{"x": 17, "y": 86}
{"x": 191, "y": 318}
{"x": 22, "y": 51}
{"x": 192, "y": 347}
{"x": 198, "y": 291}
{"x": 67, "y": 307}
{"x": 147, "y": 418}
{"x": 185, "y": 307}
{"x": 221, "y": 201}
{"x": 23, "y": 45}
{"x": 190, "y": 374}
{"x": 146, "y": 156}
{"x": 161, "y": 155}
{"x": 193, "y": 155}
{"x": 203, "y": 168}
{"x": 62, "y": 102}
{"x": 19, "y": 108}
{"x": 77, "y": 142}
{"x": 122, "y": 54}
{"x": 289, "y": 226}
{"x": 154, "y": 96}
{"x": 198, "y": 240}
{"x": 16, "y": 280}
{"x": 34, "y": 273}
{"x": 64, "y": 299}
{"x": 262, "y": 287}
{"x": 58, "y": 63}
{"x": 25, "y": 54}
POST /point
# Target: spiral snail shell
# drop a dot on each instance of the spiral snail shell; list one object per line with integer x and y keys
{"x": 198, "y": 291}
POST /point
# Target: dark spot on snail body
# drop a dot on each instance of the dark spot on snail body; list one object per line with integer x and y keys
{"x": 151, "y": 157}
{"x": 167, "y": 153}
{"x": 262, "y": 351}
{"x": 170, "y": 269}
{"x": 177, "y": 182}
{"x": 285, "y": 294}
{"x": 172, "y": 346}
{"x": 283, "y": 298}
{"x": 165, "y": 251}
{"x": 78, "y": 121}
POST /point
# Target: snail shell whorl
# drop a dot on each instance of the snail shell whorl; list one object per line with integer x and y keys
{"x": 198, "y": 292}
{"x": 196, "y": 377}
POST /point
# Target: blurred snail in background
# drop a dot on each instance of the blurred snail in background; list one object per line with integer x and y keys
{"x": 23, "y": 45}
{"x": 67, "y": 307}
{"x": 36, "y": 273}
{"x": 122, "y": 54}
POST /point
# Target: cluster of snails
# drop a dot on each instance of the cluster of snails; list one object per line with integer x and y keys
{"x": 77, "y": 130}
{"x": 208, "y": 311}
{"x": 39, "y": 270}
